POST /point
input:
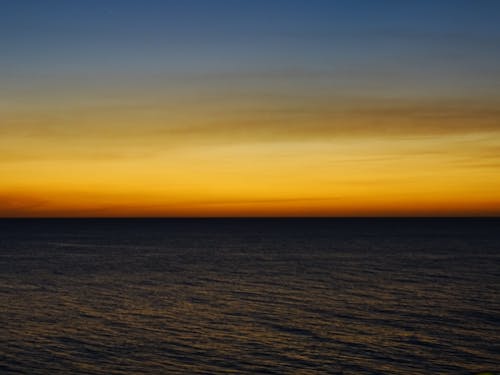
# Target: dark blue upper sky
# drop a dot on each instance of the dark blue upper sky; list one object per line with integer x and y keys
{"x": 56, "y": 31}
{"x": 443, "y": 48}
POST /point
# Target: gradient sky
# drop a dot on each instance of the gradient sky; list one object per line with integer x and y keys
{"x": 249, "y": 108}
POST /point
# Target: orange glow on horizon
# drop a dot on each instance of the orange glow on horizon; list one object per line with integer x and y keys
{"x": 357, "y": 177}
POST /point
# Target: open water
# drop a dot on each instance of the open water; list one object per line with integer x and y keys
{"x": 250, "y": 296}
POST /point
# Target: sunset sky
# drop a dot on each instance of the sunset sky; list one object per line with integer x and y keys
{"x": 249, "y": 108}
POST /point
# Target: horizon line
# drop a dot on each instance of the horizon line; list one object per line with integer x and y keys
{"x": 235, "y": 217}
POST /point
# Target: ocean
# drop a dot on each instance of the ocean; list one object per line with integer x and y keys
{"x": 249, "y": 296}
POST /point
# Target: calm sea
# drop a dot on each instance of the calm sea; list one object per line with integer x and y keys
{"x": 262, "y": 296}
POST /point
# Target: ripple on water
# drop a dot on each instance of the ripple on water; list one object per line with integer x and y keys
{"x": 243, "y": 296}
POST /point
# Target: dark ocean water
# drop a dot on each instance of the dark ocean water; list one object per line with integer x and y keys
{"x": 299, "y": 296}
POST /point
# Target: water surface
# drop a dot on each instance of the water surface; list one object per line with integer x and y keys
{"x": 274, "y": 296}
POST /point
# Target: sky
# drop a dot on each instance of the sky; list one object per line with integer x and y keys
{"x": 170, "y": 108}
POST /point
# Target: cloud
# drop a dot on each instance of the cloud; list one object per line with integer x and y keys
{"x": 18, "y": 204}
{"x": 135, "y": 132}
